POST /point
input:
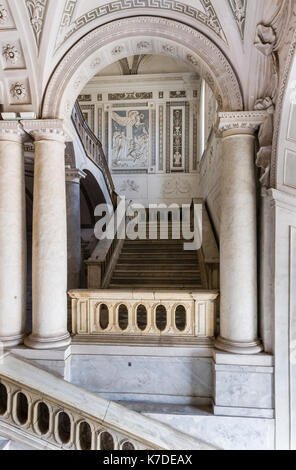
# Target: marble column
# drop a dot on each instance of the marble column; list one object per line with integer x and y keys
{"x": 12, "y": 235}
{"x": 73, "y": 177}
{"x": 238, "y": 235}
{"x": 49, "y": 264}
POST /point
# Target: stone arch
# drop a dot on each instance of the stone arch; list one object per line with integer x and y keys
{"x": 131, "y": 36}
{"x": 283, "y": 163}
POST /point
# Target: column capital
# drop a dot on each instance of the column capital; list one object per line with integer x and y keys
{"x": 12, "y": 131}
{"x": 47, "y": 129}
{"x": 74, "y": 175}
{"x": 240, "y": 122}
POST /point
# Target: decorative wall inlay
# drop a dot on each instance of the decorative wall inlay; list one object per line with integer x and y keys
{"x": 84, "y": 98}
{"x": 130, "y": 96}
{"x": 3, "y": 14}
{"x": 195, "y": 146}
{"x": 100, "y": 124}
{"x": 176, "y": 186}
{"x": 178, "y": 94}
{"x": 239, "y": 8}
{"x": 18, "y": 91}
{"x": 160, "y": 94}
{"x": 177, "y": 140}
{"x": 106, "y": 119}
{"x": 153, "y": 139}
{"x": 129, "y": 185}
{"x": 67, "y": 29}
{"x": 169, "y": 49}
{"x": 161, "y": 136}
{"x": 171, "y": 130}
{"x": 88, "y": 111}
{"x": 130, "y": 105}
{"x": 10, "y": 53}
{"x": 130, "y": 138}
{"x": 99, "y": 97}
{"x": 36, "y": 9}
{"x": 192, "y": 59}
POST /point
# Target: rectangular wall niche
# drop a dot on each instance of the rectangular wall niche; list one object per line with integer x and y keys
{"x": 130, "y": 139}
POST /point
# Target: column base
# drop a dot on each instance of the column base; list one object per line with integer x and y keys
{"x": 11, "y": 341}
{"x": 234, "y": 347}
{"x": 36, "y": 342}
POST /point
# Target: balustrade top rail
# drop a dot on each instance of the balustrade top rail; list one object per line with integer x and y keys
{"x": 93, "y": 147}
{"x": 45, "y": 406}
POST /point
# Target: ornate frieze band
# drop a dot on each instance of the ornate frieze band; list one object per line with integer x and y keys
{"x": 209, "y": 19}
{"x": 46, "y": 129}
{"x": 11, "y": 131}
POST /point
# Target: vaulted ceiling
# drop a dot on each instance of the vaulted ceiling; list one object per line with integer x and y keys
{"x": 36, "y": 34}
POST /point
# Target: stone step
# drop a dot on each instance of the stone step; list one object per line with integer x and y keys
{"x": 155, "y": 274}
{"x": 178, "y": 268}
{"x": 152, "y": 285}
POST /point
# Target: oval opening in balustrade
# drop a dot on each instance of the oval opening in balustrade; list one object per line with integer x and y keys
{"x": 127, "y": 446}
{"x": 123, "y": 317}
{"x": 43, "y": 418}
{"x": 106, "y": 441}
{"x": 180, "y": 317}
{"x": 64, "y": 427}
{"x": 142, "y": 317}
{"x": 161, "y": 317}
{"x": 85, "y": 436}
{"x": 3, "y": 399}
{"x": 22, "y": 408}
{"x": 104, "y": 317}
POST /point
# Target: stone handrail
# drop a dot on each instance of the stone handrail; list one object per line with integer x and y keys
{"x": 150, "y": 313}
{"x": 93, "y": 148}
{"x": 40, "y": 406}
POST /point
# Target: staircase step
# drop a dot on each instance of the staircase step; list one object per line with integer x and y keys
{"x": 177, "y": 268}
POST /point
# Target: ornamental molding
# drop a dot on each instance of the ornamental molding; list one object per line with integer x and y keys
{"x": 3, "y": 15}
{"x": 240, "y": 121}
{"x": 18, "y": 91}
{"x": 10, "y": 53}
{"x": 37, "y": 9}
{"x": 12, "y": 131}
{"x": 46, "y": 129}
{"x": 239, "y": 10}
{"x": 67, "y": 28}
{"x": 210, "y": 62}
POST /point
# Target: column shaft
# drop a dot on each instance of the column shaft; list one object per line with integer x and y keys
{"x": 49, "y": 267}
{"x": 12, "y": 239}
{"x": 238, "y": 245}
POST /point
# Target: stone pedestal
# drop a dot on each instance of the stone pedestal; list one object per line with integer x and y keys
{"x": 238, "y": 235}
{"x": 49, "y": 270}
{"x": 12, "y": 235}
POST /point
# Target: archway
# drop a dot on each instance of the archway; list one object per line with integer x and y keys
{"x": 132, "y": 36}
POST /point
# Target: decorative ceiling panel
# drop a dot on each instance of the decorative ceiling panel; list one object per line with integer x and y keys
{"x": 37, "y": 9}
{"x": 68, "y": 27}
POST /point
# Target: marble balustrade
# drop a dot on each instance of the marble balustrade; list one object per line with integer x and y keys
{"x": 166, "y": 313}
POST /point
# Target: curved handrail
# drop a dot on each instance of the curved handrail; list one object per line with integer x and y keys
{"x": 93, "y": 148}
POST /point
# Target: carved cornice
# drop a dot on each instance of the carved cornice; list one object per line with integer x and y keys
{"x": 12, "y": 131}
{"x": 244, "y": 122}
{"x": 46, "y": 129}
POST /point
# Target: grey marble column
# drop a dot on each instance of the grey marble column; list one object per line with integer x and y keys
{"x": 73, "y": 177}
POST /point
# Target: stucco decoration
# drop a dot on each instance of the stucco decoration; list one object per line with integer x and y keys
{"x": 239, "y": 8}
{"x": 10, "y": 54}
{"x": 36, "y": 9}
{"x": 265, "y": 140}
{"x": 212, "y": 64}
{"x": 3, "y": 15}
{"x": 68, "y": 27}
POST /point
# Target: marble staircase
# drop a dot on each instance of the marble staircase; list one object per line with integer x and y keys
{"x": 156, "y": 264}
